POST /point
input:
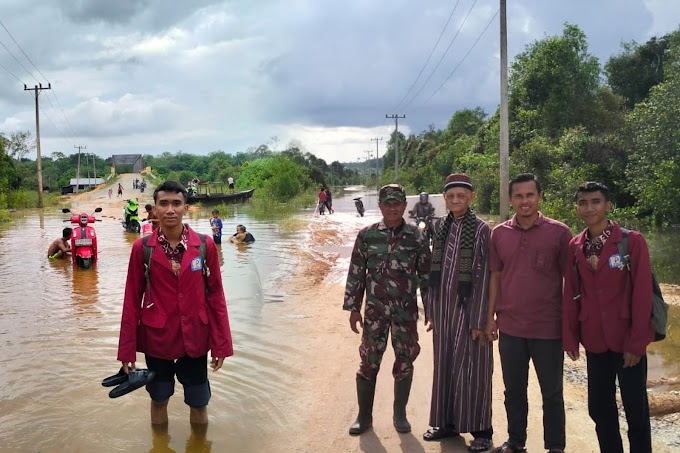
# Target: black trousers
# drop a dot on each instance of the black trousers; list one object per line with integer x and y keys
{"x": 548, "y": 359}
{"x": 603, "y": 370}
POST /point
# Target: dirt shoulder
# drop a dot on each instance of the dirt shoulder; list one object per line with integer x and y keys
{"x": 112, "y": 207}
{"x": 325, "y": 393}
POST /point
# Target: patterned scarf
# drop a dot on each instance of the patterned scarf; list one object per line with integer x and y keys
{"x": 467, "y": 242}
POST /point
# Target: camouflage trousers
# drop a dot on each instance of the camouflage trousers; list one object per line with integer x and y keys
{"x": 380, "y": 320}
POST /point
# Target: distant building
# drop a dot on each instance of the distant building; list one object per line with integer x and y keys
{"x": 82, "y": 183}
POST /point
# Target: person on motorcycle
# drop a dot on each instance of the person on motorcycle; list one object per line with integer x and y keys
{"x": 425, "y": 211}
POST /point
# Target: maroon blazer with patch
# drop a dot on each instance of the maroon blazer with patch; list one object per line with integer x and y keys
{"x": 614, "y": 311}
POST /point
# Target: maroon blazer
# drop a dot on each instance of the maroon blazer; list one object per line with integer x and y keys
{"x": 615, "y": 307}
{"x": 174, "y": 317}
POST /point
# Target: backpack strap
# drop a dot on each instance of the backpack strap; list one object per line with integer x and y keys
{"x": 203, "y": 251}
{"x": 147, "y": 257}
{"x": 623, "y": 248}
{"x": 576, "y": 279}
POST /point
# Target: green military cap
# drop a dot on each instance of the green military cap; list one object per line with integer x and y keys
{"x": 392, "y": 192}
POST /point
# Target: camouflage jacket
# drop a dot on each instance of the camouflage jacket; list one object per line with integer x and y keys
{"x": 388, "y": 265}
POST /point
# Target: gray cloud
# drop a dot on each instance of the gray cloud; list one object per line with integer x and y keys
{"x": 159, "y": 75}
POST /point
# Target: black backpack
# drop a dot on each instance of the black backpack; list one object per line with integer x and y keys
{"x": 659, "y": 306}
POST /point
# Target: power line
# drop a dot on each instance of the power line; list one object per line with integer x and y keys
{"x": 73, "y": 134}
{"x": 443, "y": 55}
{"x": 429, "y": 56}
{"x": 10, "y": 73}
{"x": 22, "y": 51}
{"x": 63, "y": 136}
{"x": 17, "y": 60}
{"x": 464, "y": 57}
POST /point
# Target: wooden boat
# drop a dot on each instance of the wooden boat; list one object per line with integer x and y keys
{"x": 213, "y": 193}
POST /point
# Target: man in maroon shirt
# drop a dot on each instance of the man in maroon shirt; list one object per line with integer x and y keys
{"x": 607, "y": 307}
{"x": 528, "y": 255}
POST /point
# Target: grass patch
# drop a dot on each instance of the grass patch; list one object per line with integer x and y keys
{"x": 28, "y": 199}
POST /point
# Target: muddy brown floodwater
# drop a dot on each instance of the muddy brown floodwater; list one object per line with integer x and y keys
{"x": 59, "y": 333}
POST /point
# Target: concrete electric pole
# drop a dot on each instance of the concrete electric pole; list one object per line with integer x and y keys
{"x": 37, "y": 89}
{"x": 377, "y": 169}
{"x": 396, "y": 117}
{"x": 78, "y": 168}
{"x": 504, "y": 126}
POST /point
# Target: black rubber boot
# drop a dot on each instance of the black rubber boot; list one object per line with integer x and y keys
{"x": 365, "y": 395}
{"x": 402, "y": 389}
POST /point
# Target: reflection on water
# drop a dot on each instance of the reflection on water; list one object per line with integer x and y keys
{"x": 59, "y": 334}
{"x": 664, "y": 356}
{"x": 664, "y": 249}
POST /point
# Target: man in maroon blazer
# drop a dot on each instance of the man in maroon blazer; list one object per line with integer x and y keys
{"x": 179, "y": 314}
{"x": 607, "y": 308}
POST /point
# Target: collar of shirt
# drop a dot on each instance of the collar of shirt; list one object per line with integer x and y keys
{"x": 539, "y": 220}
{"x": 594, "y": 246}
{"x": 183, "y": 242}
{"x": 382, "y": 226}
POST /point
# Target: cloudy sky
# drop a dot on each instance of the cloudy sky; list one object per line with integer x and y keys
{"x": 149, "y": 76}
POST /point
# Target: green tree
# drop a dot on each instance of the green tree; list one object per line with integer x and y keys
{"x": 465, "y": 122}
{"x": 552, "y": 85}
{"x": 634, "y": 71}
{"x": 277, "y": 178}
{"x": 654, "y": 169}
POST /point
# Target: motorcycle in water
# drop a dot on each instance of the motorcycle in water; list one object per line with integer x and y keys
{"x": 359, "y": 205}
{"x": 131, "y": 221}
{"x": 83, "y": 239}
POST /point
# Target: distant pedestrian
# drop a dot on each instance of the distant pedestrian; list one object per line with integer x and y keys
{"x": 230, "y": 180}
{"x": 110, "y": 192}
{"x": 120, "y": 190}
{"x": 216, "y": 226}
{"x": 329, "y": 200}
{"x": 322, "y": 201}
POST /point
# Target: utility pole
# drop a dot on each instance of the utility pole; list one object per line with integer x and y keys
{"x": 368, "y": 153}
{"x": 87, "y": 161}
{"x": 37, "y": 89}
{"x": 377, "y": 169}
{"x": 505, "y": 125}
{"x": 78, "y": 170}
{"x": 94, "y": 170}
{"x": 396, "y": 117}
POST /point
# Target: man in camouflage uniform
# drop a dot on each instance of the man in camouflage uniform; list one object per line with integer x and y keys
{"x": 389, "y": 261}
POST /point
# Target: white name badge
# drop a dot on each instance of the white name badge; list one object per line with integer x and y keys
{"x": 615, "y": 261}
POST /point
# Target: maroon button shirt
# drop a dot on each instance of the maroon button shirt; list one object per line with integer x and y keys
{"x": 532, "y": 263}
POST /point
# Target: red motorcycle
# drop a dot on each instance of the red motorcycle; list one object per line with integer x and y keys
{"x": 83, "y": 239}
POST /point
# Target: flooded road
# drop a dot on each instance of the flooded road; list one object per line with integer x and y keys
{"x": 59, "y": 333}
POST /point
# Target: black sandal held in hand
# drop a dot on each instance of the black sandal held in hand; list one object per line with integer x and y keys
{"x": 115, "y": 379}
{"x": 136, "y": 379}
{"x": 439, "y": 433}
